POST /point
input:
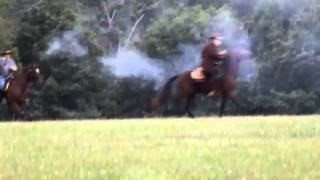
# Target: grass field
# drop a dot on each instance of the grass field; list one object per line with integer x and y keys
{"x": 275, "y": 147}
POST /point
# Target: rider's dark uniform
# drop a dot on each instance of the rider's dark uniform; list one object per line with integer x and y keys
{"x": 209, "y": 59}
{"x": 211, "y": 55}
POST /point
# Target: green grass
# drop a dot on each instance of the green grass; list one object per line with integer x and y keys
{"x": 275, "y": 147}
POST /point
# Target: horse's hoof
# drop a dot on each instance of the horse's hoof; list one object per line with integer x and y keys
{"x": 191, "y": 116}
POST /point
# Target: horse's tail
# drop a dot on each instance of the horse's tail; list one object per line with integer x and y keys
{"x": 164, "y": 93}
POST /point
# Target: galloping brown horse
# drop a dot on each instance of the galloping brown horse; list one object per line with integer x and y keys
{"x": 224, "y": 85}
{"x": 17, "y": 88}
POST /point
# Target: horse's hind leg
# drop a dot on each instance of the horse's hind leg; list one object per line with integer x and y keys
{"x": 223, "y": 105}
{"x": 188, "y": 106}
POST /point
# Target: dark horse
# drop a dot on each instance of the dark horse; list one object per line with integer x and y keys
{"x": 17, "y": 87}
{"x": 223, "y": 85}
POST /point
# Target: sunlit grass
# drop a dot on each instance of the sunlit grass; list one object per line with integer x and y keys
{"x": 275, "y": 147}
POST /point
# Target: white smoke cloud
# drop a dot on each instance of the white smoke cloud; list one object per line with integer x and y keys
{"x": 67, "y": 43}
{"x": 233, "y": 31}
{"x": 189, "y": 58}
{"x": 235, "y": 36}
{"x": 132, "y": 63}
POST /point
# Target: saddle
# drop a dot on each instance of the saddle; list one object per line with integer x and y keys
{"x": 197, "y": 74}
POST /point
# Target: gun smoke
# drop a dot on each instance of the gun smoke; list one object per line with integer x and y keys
{"x": 132, "y": 63}
{"x": 67, "y": 43}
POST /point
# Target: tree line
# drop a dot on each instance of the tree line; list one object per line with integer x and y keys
{"x": 283, "y": 39}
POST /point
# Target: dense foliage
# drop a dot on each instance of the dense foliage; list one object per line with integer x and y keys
{"x": 283, "y": 37}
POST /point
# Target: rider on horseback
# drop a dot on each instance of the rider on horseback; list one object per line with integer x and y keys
{"x": 211, "y": 56}
{"x": 7, "y": 67}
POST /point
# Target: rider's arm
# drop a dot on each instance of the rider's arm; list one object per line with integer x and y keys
{"x": 222, "y": 52}
{"x": 11, "y": 66}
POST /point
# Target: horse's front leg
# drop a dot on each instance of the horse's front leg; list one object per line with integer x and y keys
{"x": 16, "y": 109}
{"x": 236, "y": 102}
{"x": 188, "y": 110}
{"x": 242, "y": 107}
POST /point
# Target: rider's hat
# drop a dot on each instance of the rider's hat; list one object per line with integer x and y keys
{"x": 215, "y": 36}
{"x": 6, "y": 52}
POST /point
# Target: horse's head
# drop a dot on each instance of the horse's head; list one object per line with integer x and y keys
{"x": 240, "y": 54}
{"x": 33, "y": 73}
{"x": 234, "y": 58}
